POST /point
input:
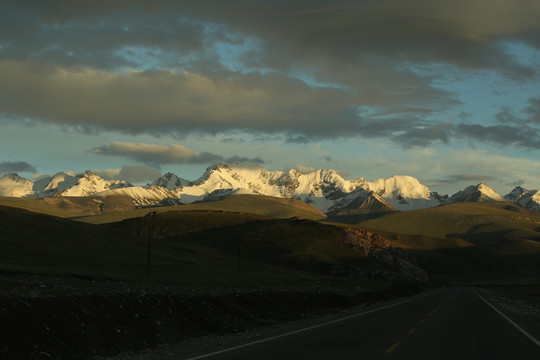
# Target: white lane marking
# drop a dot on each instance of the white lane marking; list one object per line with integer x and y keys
{"x": 309, "y": 328}
{"x": 391, "y": 348}
{"x": 534, "y": 340}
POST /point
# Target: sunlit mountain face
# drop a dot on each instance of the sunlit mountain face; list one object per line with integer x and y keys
{"x": 325, "y": 190}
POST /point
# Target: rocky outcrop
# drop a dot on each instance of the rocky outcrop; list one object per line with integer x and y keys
{"x": 399, "y": 265}
{"x": 390, "y": 263}
{"x": 365, "y": 242}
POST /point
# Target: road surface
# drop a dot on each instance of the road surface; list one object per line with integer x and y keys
{"x": 453, "y": 323}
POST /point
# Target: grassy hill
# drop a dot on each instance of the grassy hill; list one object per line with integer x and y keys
{"x": 468, "y": 240}
{"x": 116, "y": 208}
{"x": 71, "y": 206}
{"x": 459, "y": 242}
{"x": 248, "y": 204}
{"x": 474, "y": 222}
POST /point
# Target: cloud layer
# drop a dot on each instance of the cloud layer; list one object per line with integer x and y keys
{"x": 301, "y": 70}
{"x": 130, "y": 173}
{"x": 16, "y": 166}
{"x": 157, "y": 155}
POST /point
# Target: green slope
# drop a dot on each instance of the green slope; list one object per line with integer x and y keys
{"x": 116, "y": 208}
{"x": 474, "y": 222}
{"x": 468, "y": 241}
{"x": 247, "y": 204}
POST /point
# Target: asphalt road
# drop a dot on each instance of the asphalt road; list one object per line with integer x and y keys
{"x": 453, "y": 323}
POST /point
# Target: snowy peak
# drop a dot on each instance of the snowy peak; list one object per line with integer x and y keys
{"x": 12, "y": 178}
{"x": 405, "y": 192}
{"x": 48, "y": 186}
{"x": 63, "y": 184}
{"x": 476, "y": 193}
{"x": 13, "y": 185}
{"x": 400, "y": 186}
{"x": 529, "y": 199}
{"x": 144, "y": 196}
{"x": 361, "y": 201}
{"x": 171, "y": 181}
{"x": 325, "y": 189}
{"x": 88, "y": 184}
{"x": 516, "y": 194}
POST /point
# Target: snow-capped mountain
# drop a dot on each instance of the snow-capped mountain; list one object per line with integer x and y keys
{"x": 517, "y": 193}
{"x": 145, "y": 196}
{"x": 405, "y": 193}
{"x": 170, "y": 181}
{"x": 529, "y": 199}
{"x": 79, "y": 185}
{"x": 15, "y": 186}
{"x": 324, "y": 189}
{"x": 60, "y": 184}
{"x": 320, "y": 188}
{"x": 475, "y": 193}
{"x": 362, "y": 202}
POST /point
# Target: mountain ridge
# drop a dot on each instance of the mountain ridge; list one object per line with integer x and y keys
{"x": 324, "y": 189}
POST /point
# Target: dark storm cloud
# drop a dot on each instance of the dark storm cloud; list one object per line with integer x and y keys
{"x": 530, "y": 114}
{"x": 104, "y": 38}
{"x": 521, "y": 136}
{"x": 236, "y": 158}
{"x": 130, "y": 173}
{"x": 467, "y": 178}
{"x": 425, "y": 135}
{"x": 157, "y": 155}
{"x": 16, "y": 166}
{"x": 331, "y": 68}
{"x": 533, "y": 111}
{"x": 138, "y": 174}
{"x": 349, "y": 32}
{"x": 164, "y": 100}
{"x": 327, "y": 158}
{"x": 515, "y": 183}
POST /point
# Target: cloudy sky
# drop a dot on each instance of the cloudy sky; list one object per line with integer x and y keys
{"x": 445, "y": 91}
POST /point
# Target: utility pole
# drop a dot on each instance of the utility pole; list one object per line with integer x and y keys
{"x": 238, "y": 260}
{"x": 148, "y": 253}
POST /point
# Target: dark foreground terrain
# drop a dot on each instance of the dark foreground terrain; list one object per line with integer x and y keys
{"x": 451, "y": 323}
{"x": 46, "y": 317}
{"x": 153, "y": 284}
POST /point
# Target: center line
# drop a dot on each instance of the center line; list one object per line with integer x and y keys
{"x": 422, "y": 321}
{"x": 411, "y": 331}
{"x": 392, "y": 348}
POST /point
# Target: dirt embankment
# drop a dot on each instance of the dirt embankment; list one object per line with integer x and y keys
{"x": 84, "y": 325}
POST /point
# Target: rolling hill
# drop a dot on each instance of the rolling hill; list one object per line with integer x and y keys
{"x": 474, "y": 222}
{"x": 248, "y": 204}
{"x": 467, "y": 241}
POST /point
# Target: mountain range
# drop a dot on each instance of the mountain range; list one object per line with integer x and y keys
{"x": 324, "y": 189}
